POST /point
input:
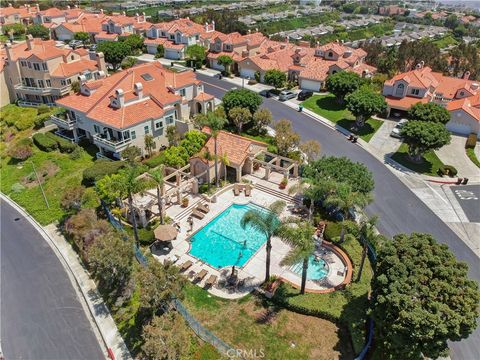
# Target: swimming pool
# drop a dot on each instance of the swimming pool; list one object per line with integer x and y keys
{"x": 223, "y": 242}
{"x": 316, "y": 269}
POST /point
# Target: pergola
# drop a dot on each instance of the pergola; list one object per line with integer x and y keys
{"x": 276, "y": 164}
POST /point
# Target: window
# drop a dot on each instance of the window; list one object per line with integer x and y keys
{"x": 415, "y": 91}
{"x": 44, "y": 67}
{"x": 158, "y": 124}
{"x": 41, "y": 83}
{"x": 29, "y": 65}
{"x": 36, "y": 66}
{"x": 23, "y": 63}
{"x": 183, "y": 92}
{"x": 169, "y": 119}
{"x": 96, "y": 128}
{"x": 126, "y": 135}
{"x": 330, "y": 54}
{"x": 172, "y": 37}
{"x": 399, "y": 91}
{"x": 134, "y": 136}
{"x": 49, "y": 83}
{"x": 147, "y": 129}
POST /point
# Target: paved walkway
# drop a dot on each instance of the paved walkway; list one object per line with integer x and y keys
{"x": 454, "y": 154}
{"x": 382, "y": 140}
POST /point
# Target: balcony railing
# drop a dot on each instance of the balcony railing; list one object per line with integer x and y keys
{"x": 33, "y": 104}
{"x": 63, "y": 121}
{"x": 114, "y": 145}
{"x": 43, "y": 91}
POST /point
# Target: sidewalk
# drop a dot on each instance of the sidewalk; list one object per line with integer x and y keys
{"x": 102, "y": 322}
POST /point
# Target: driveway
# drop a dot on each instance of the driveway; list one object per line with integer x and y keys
{"x": 382, "y": 140}
{"x": 454, "y": 154}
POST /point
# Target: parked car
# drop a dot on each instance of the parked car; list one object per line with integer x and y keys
{"x": 397, "y": 130}
{"x": 75, "y": 44}
{"x": 93, "y": 47}
{"x": 265, "y": 93}
{"x": 286, "y": 95}
{"x": 304, "y": 95}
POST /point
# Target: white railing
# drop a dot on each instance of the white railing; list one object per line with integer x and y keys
{"x": 112, "y": 143}
{"x": 64, "y": 123}
{"x": 44, "y": 90}
{"x": 33, "y": 104}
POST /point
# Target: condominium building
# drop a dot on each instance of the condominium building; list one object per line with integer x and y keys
{"x": 39, "y": 72}
{"x": 120, "y": 110}
{"x": 21, "y": 15}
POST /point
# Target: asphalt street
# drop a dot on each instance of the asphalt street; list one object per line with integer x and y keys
{"x": 41, "y": 316}
{"x": 398, "y": 208}
{"x": 469, "y": 199}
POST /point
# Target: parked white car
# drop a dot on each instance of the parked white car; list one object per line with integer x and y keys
{"x": 397, "y": 130}
{"x": 286, "y": 95}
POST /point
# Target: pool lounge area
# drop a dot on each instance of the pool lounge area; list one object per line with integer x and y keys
{"x": 216, "y": 247}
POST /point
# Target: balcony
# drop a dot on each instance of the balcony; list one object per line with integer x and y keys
{"x": 61, "y": 91}
{"x": 113, "y": 145}
{"x": 63, "y": 121}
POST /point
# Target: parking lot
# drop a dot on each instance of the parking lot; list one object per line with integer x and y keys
{"x": 469, "y": 199}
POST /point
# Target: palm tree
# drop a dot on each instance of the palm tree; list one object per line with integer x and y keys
{"x": 299, "y": 235}
{"x": 313, "y": 190}
{"x": 345, "y": 199}
{"x": 225, "y": 162}
{"x": 149, "y": 144}
{"x": 215, "y": 123}
{"x": 157, "y": 176}
{"x": 266, "y": 222}
{"x": 368, "y": 234}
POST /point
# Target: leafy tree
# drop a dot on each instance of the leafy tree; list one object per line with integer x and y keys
{"x": 311, "y": 148}
{"x": 299, "y": 235}
{"x": 158, "y": 284}
{"x": 452, "y": 21}
{"x": 465, "y": 57}
{"x": 73, "y": 198}
{"x": 215, "y": 123}
{"x": 261, "y": 119}
{"x": 341, "y": 169}
{"x": 16, "y": 29}
{"x": 111, "y": 260}
{"x": 344, "y": 199}
{"x": 176, "y": 156}
{"x": 82, "y": 36}
{"x": 128, "y": 62}
{"x": 76, "y": 87}
{"x": 266, "y": 222}
{"x": 160, "y": 51}
{"x": 342, "y": 83}
{"x": 414, "y": 52}
{"x": 135, "y": 42}
{"x": 166, "y": 337}
{"x": 114, "y": 52}
{"x": 313, "y": 190}
{"x": 197, "y": 54}
{"x": 225, "y": 61}
{"x": 149, "y": 144}
{"x": 157, "y": 176}
{"x": 225, "y": 162}
{"x": 243, "y": 98}
{"x": 285, "y": 138}
{"x": 38, "y": 31}
{"x": 429, "y": 112}
{"x": 239, "y": 116}
{"x": 131, "y": 153}
{"x": 422, "y": 298}
{"x": 193, "y": 141}
{"x": 421, "y": 136}
{"x": 275, "y": 78}
{"x": 364, "y": 103}
{"x": 172, "y": 135}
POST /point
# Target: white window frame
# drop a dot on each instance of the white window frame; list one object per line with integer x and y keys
{"x": 159, "y": 124}
{"x": 146, "y": 128}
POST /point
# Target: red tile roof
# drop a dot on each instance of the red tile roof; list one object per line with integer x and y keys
{"x": 404, "y": 103}
{"x": 203, "y": 97}
{"x": 74, "y": 67}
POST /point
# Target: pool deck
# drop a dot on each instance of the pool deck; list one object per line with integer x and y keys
{"x": 253, "y": 271}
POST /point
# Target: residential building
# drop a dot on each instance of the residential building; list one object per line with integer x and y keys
{"x": 55, "y": 16}
{"x": 422, "y": 85}
{"x": 39, "y": 72}
{"x": 122, "y": 25}
{"x": 118, "y": 111}
{"x": 21, "y": 15}
{"x": 391, "y": 10}
{"x": 89, "y": 23}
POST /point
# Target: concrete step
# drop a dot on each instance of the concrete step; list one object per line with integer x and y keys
{"x": 279, "y": 194}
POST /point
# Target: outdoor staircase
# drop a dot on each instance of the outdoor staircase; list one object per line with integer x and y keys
{"x": 279, "y": 194}
{"x": 187, "y": 211}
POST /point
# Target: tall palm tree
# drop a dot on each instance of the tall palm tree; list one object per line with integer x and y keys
{"x": 345, "y": 199}
{"x": 266, "y": 222}
{"x": 157, "y": 176}
{"x": 215, "y": 123}
{"x": 299, "y": 235}
{"x": 368, "y": 234}
{"x": 225, "y": 162}
{"x": 130, "y": 185}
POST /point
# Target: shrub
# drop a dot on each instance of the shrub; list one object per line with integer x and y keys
{"x": 64, "y": 146}
{"x": 100, "y": 169}
{"x": 332, "y": 231}
{"x": 43, "y": 109}
{"x": 44, "y": 143}
{"x": 40, "y": 120}
{"x": 76, "y": 153}
{"x": 448, "y": 170}
{"x": 471, "y": 141}
{"x": 154, "y": 161}
{"x": 21, "y": 151}
{"x": 17, "y": 187}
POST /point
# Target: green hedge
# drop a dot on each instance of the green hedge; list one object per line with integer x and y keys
{"x": 100, "y": 169}
{"x": 471, "y": 141}
{"x": 448, "y": 170}
{"x": 64, "y": 145}
{"x": 332, "y": 230}
{"x": 473, "y": 157}
{"x": 44, "y": 142}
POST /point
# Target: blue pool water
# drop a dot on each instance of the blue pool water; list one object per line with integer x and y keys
{"x": 316, "y": 269}
{"x": 221, "y": 242}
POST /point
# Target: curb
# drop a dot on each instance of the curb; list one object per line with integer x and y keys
{"x": 84, "y": 300}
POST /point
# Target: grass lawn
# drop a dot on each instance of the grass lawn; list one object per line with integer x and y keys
{"x": 252, "y": 323}
{"x": 471, "y": 155}
{"x": 445, "y": 41}
{"x": 328, "y": 107}
{"x": 429, "y": 166}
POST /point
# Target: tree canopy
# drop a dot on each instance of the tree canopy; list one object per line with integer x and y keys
{"x": 364, "y": 103}
{"x": 422, "y": 136}
{"x": 135, "y": 42}
{"x": 275, "y": 78}
{"x": 342, "y": 83}
{"x": 196, "y": 53}
{"x": 341, "y": 169}
{"x": 193, "y": 141}
{"x": 422, "y": 298}
{"x": 82, "y": 36}
{"x": 38, "y": 31}
{"x": 239, "y": 116}
{"x": 429, "y": 112}
{"x": 114, "y": 52}
{"x": 285, "y": 138}
{"x": 241, "y": 98}
{"x": 261, "y": 119}
{"x": 225, "y": 61}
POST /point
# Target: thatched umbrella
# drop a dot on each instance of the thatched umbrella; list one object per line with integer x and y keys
{"x": 165, "y": 233}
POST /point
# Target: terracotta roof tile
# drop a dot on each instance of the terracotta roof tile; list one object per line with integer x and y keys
{"x": 74, "y": 67}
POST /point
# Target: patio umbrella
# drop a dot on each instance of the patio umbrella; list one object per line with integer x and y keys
{"x": 165, "y": 233}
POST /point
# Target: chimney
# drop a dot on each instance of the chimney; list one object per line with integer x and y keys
{"x": 30, "y": 43}
{"x": 10, "y": 5}
{"x": 213, "y": 25}
{"x": 101, "y": 11}
{"x": 286, "y": 39}
{"x": 466, "y": 75}
{"x": 124, "y": 13}
{"x": 474, "y": 86}
{"x": 38, "y": 7}
{"x": 101, "y": 62}
{"x": 347, "y": 53}
{"x": 249, "y": 31}
{"x": 138, "y": 90}
{"x": 68, "y": 7}
{"x": 8, "y": 49}
{"x": 206, "y": 26}
{"x": 120, "y": 97}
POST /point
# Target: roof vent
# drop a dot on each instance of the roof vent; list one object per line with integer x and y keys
{"x": 146, "y": 77}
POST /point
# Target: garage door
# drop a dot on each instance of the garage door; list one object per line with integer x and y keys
{"x": 457, "y": 128}
{"x": 310, "y": 85}
{"x": 172, "y": 54}
{"x": 247, "y": 73}
{"x": 216, "y": 66}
